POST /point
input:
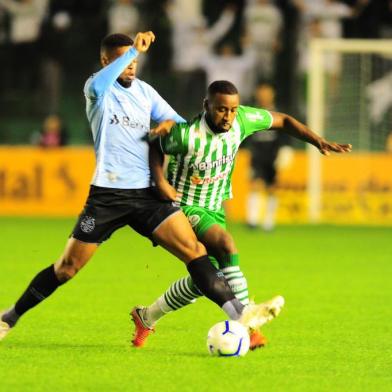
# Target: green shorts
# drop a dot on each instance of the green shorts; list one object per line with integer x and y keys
{"x": 202, "y": 219}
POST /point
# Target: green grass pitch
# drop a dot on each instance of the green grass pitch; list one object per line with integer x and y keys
{"x": 333, "y": 335}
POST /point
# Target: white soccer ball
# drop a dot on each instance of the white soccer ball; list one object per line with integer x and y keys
{"x": 228, "y": 339}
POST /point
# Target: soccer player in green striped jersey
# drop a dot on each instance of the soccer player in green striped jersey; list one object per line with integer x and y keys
{"x": 201, "y": 164}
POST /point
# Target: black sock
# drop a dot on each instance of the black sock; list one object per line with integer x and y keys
{"x": 41, "y": 287}
{"x": 210, "y": 281}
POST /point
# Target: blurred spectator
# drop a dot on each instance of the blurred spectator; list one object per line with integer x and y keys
{"x": 286, "y": 75}
{"x": 263, "y": 24}
{"x": 90, "y": 26}
{"x": 370, "y": 18}
{"x": 123, "y": 17}
{"x": 379, "y": 94}
{"x": 192, "y": 43}
{"x": 156, "y": 17}
{"x": 185, "y": 39}
{"x": 226, "y": 65}
{"x": 330, "y": 13}
{"x": 267, "y": 152}
{"x": 323, "y": 19}
{"x": 25, "y": 22}
{"x": 212, "y": 11}
{"x": 54, "y": 35}
{"x": 53, "y": 133}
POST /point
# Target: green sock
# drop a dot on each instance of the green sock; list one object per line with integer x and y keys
{"x": 230, "y": 267}
{"x": 180, "y": 293}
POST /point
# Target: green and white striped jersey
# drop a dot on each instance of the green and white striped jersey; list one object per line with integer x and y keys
{"x": 202, "y": 161}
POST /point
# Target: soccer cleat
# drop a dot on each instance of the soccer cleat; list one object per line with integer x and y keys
{"x": 4, "y": 329}
{"x": 255, "y": 316}
{"x": 141, "y": 329}
{"x": 257, "y": 339}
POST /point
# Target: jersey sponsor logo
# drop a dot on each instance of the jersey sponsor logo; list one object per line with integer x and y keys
{"x": 125, "y": 121}
{"x": 194, "y": 220}
{"x": 87, "y": 225}
{"x": 196, "y": 180}
{"x": 254, "y": 116}
{"x": 114, "y": 120}
{"x": 210, "y": 165}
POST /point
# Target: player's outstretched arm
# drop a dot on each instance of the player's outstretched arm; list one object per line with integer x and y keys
{"x": 156, "y": 159}
{"x": 293, "y": 127}
{"x": 103, "y": 79}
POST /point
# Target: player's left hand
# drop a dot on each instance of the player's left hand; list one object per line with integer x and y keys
{"x": 162, "y": 129}
{"x": 166, "y": 191}
{"x": 326, "y": 147}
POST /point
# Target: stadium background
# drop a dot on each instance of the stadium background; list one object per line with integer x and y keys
{"x": 334, "y": 333}
{"x": 43, "y": 74}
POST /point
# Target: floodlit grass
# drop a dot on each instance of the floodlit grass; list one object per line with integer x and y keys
{"x": 333, "y": 335}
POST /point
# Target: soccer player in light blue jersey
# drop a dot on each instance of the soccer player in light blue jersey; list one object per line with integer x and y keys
{"x": 119, "y": 108}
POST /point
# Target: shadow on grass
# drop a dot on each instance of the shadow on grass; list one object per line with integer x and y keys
{"x": 101, "y": 348}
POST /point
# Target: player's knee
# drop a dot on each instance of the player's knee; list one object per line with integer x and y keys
{"x": 226, "y": 244}
{"x": 67, "y": 268}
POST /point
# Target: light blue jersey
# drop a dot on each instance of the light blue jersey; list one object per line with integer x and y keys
{"x": 120, "y": 122}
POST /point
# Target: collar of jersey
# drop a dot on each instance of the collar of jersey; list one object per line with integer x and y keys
{"x": 126, "y": 88}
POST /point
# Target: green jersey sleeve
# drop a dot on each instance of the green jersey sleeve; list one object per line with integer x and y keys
{"x": 252, "y": 120}
{"x": 174, "y": 142}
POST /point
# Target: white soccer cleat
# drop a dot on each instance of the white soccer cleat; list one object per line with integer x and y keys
{"x": 4, "y": 329}
{"x": 255, "y": 316}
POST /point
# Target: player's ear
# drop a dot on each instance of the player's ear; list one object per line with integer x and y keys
{"x": 205, "y": 104}
{"x": 104, "y": 60}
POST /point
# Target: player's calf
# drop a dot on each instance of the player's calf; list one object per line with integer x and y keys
{"x": 67, "y": 268}
{"x": 75, "y": 256}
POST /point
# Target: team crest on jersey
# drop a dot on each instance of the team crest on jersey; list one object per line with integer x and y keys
{"x": 87, "y": 225}
{"x": 194, "y": 220}
{"x": 254, "y": 116}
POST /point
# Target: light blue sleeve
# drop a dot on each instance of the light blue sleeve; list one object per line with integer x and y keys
{"x": 96, "y": 86}
{"x": 161, "y": 110}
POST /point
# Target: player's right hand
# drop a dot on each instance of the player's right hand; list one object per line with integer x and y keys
{"x": 143, "y": 41}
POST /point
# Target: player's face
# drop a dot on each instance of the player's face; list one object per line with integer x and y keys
{"x": 129, "y": 74}
{"x": 222, "y": 109}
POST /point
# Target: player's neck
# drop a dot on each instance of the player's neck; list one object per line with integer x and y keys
{"x": 124, "y": 84}
{"x": 211, "y": 125}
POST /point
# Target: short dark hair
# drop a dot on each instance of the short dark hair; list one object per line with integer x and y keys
{"x": 114, "y": 41}
{"x": 221, "y": 87}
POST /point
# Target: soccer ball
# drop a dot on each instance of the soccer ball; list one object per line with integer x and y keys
{"x": 228, "y": 339}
